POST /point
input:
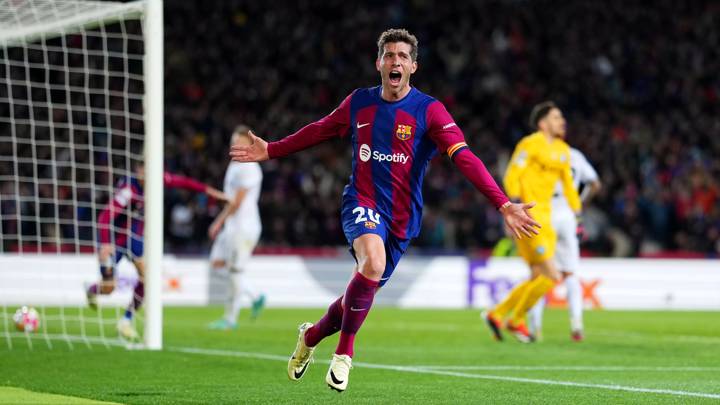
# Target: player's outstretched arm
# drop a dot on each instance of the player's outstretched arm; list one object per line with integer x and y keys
{"x": 257, "y": 151}
{"x": 172, "y": 180}
{"x": 336, "y": 124}
{"x": 518, "y": 220}
{"x": 216, "y": 194}
{"x": 450, "y": 139}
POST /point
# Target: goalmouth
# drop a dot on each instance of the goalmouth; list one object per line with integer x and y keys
{"x": 81, "y": 102}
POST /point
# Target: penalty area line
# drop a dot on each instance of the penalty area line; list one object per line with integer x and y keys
{"x": 417, "y": 370}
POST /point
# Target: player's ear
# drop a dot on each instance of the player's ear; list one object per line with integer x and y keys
{"x": 377, "y": 64}
{"x": 414, "y": 67}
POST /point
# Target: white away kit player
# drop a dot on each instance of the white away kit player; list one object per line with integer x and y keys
{"x": 567, "y": 250}
{"x": 236, "y": 232}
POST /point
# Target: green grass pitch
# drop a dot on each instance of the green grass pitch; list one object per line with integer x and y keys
{"x": 401, "y": 356}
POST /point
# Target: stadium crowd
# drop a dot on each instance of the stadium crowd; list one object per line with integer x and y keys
{"x": 638, "y": 85}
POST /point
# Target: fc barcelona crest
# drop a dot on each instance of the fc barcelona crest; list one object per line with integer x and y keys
{"x": 404, "y": 132}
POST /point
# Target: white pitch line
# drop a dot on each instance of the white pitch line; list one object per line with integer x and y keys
{"x": 229, "y": 353}
{"x": 662, "y": 338}
{"x": 571, "y": 368}
{"x": 412, "y": 369}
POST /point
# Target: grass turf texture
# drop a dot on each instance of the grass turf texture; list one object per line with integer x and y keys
{"x": 15, "y": 396}
{"x": 677, "y": 351}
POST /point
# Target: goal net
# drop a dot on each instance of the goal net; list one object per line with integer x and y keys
{"x": 75, "y": 108}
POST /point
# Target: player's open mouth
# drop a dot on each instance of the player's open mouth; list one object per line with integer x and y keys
{"x": 395, "y": 77}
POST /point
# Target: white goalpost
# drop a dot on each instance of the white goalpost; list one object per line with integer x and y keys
{"x": 154, "y": 103}
{"x": 81, "y": 106}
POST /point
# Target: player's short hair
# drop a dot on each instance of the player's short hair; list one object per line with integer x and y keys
{"x": 398, "y": 35}
{"x": 540, "y": 111}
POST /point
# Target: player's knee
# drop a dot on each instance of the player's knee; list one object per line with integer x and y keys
{"x": 372, "y": 267}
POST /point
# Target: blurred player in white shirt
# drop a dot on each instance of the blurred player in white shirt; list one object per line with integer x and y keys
{"x": 236, "y": 232}
{"x": 567, "y": 250}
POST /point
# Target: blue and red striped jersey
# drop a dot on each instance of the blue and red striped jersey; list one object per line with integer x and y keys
{"x": 392, "y": 142}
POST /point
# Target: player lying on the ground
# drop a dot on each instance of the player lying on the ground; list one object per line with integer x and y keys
{"x": 539, "y": 162}
{"x": 120, "y": 233}
{"x": 394, "y": 130}
{"x": 236, "y": 232}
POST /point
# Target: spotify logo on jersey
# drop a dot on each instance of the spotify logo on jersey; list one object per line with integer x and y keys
{"x": 365, "y": 152}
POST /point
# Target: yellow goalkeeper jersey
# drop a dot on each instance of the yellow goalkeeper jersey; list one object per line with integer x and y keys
{"x": 535, "y": 168}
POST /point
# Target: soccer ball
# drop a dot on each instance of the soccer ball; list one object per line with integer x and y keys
{"x": 27, "y": 319}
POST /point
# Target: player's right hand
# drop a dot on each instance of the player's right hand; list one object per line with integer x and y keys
{"x": 518, "y": 221}
{"x": 255, "y": 152}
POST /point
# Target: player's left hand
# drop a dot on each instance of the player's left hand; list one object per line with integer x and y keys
{"x": 518, "y": 220}
{"x": 255, "y": 152}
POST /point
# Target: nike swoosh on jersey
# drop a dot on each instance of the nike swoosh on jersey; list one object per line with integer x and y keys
{"x": 450, "y": 125}
{"x": 357, "y": 309}
{"x": 359, "y": 125}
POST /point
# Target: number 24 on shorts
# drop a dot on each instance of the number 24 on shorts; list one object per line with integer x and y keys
{"x": 371, "y": 215}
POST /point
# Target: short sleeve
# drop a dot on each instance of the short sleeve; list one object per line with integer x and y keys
{"x": 246, "y": 176}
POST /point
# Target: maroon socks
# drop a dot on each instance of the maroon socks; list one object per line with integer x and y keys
{"x": 327, "y": 325}
{"x": 138, "y": 295}
{"x": 358, "y": 300}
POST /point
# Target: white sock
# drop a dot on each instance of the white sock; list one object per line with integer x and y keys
{"x": 244, "y": 286}
{"x": 234, "y": 302}
{"x": 249, "y": 292}
{"x": 575, "y": 301}
{"x": 536, "y": 314}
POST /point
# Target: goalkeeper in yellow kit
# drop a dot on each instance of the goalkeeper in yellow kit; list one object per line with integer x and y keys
{"x": 538, "y": 162}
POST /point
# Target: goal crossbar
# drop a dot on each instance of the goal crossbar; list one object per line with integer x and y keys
{"x": 21, "y": 26}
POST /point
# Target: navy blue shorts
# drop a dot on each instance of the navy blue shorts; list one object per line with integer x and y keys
{"x": 358, "y": 221}
{"x": 132, "y": 252}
